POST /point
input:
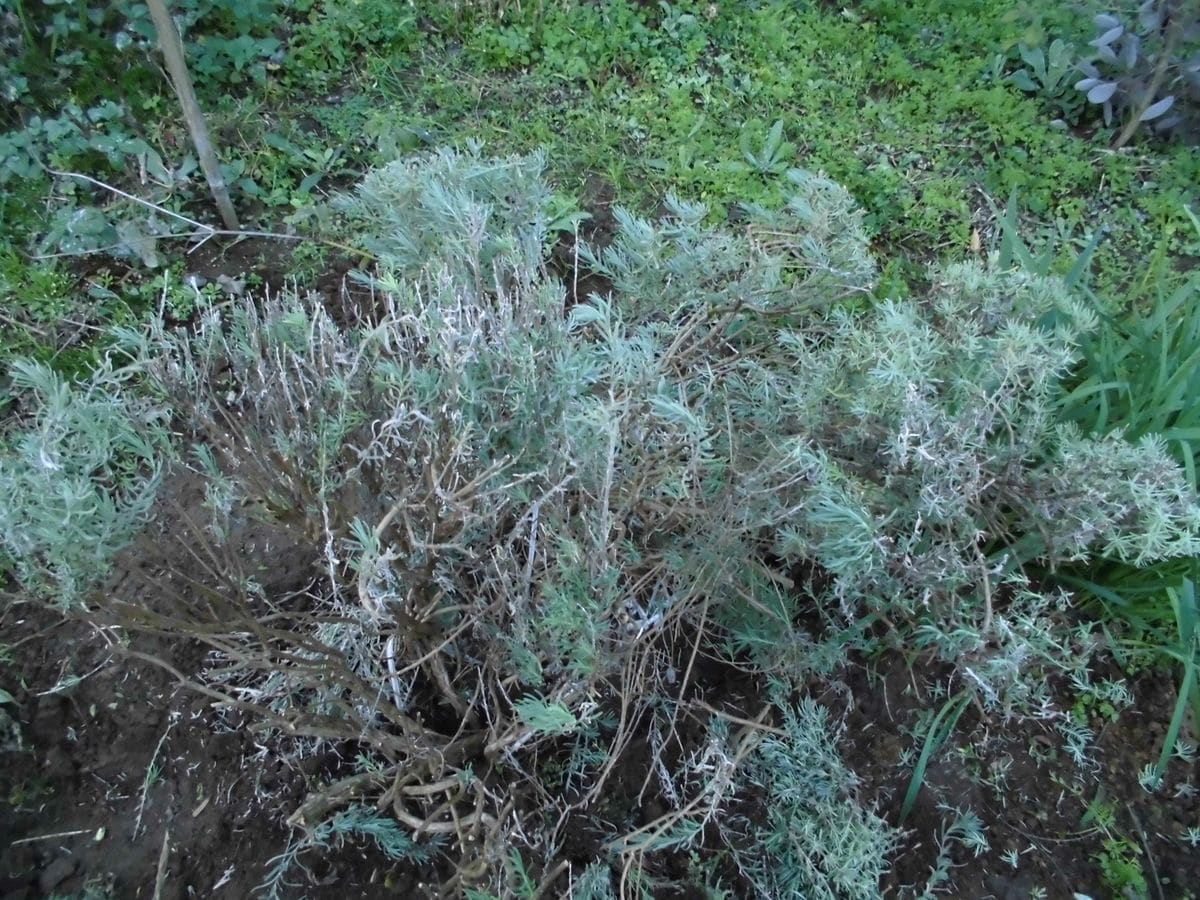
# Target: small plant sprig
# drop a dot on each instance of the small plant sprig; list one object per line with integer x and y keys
{"x": 818, "y": 841}
{"x": 355, "y": 822}
{"x": 1048, "y": 74}
{"x": 773, "y": 156}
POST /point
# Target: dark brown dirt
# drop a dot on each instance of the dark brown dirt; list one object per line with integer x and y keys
{"x": 265, "y": 258}
{"x": 72, "y": 812}
{"x": 109, "y": 759}
{"x": 116, "y": 764}
{"x": 1039, "y": 808}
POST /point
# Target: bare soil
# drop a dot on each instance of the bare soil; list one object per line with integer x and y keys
{"x": 110, "y": 759}
{"x": 96, "y": 776}
{"x": 1039, "y": 807}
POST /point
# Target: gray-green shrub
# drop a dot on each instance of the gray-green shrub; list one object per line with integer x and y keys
{"x": 520, "y": 516}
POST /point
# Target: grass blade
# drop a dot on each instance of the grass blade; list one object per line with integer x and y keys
{"x": 939, "y": 729}
{"x": 1172, "y": 735}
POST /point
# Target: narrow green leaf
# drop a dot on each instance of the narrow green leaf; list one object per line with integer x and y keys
{"x": 1172, "y": 735}
{"x": 774, "y": 139}
{"x": 1083, "y": 261}
{"x": 1183, "y": 601}
{"x": 939, "y": 730}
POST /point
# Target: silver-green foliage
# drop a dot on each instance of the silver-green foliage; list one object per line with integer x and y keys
{"x": 817, "y": 840}
{"x": 355, "y": 822}
{"x": 492, "y": 488}
{"x": 483, "y": 220}
{"x": 926, "y": 433}
{"x": 778, "y": 263}
{"x": 417, "y": 448}
{"x": 594, "y": 883}
{"x": 78, "y": 475}
{"x": 467, "y": 449}
{"x": 912, "y": 452}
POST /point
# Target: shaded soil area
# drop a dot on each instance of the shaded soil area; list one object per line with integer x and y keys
{"x": 105, "y": 762}
{"x": 108, "y": 770}
{"x": 114, "y": 778}
{"x": 1048, "y": 819}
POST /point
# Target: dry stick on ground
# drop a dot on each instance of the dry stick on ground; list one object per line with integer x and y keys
{"x": 48, "y": 837}
{"x": 160, "y": 877}
{"x": 1137, "y": 823}
{"x": 172, "y": 51}
{"x": 202, "y": 231}
{"x": 147, "y": 781}
{"x": 436, "y": 751}
{"x": 683, "y": 686}
{"x": 745, "y": 743}
{"x": 312, "y": 726}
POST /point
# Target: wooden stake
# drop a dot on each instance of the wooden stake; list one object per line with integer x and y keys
{"x": 172, "y": 50}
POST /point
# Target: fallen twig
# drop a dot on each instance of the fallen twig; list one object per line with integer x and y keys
{"x": 137, "y": 825}
{"x": 160, "y": 877}
{"x": 204, "y": 232}
{"x": 49, "y": 837}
